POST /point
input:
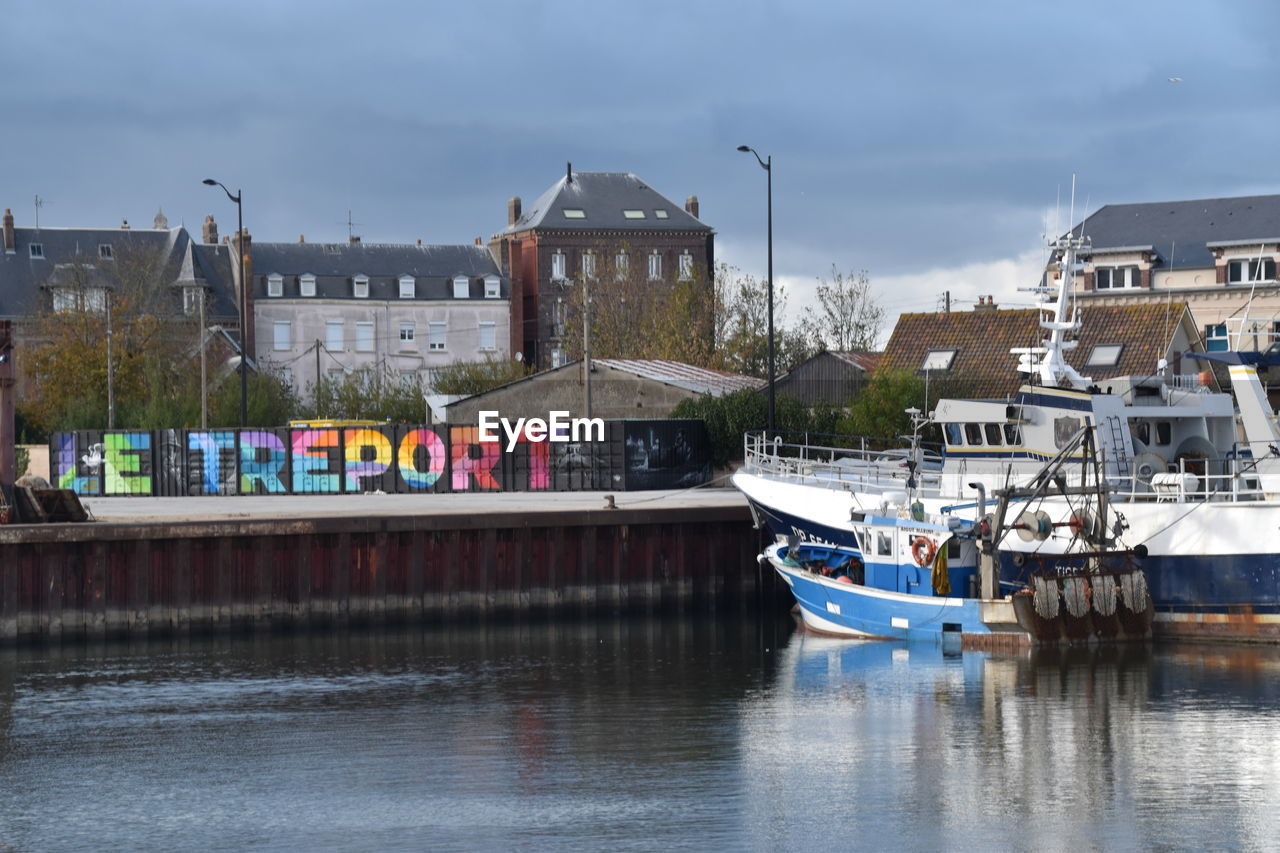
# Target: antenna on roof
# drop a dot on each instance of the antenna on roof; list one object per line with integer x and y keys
{"x": 39, "y": 204}
{"x": 350, "y": 226}
{"x": 568, "y": 173}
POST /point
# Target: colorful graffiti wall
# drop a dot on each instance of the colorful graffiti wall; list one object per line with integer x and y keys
{"x": 361, "y": 459}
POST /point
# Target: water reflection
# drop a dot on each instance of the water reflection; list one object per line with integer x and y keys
{"x": 632, "y": 734}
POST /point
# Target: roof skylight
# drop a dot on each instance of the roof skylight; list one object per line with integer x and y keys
{"x": 633, "y": 214}
{"x": 1105, "y": 355}
{"x": 660, "y": 214}
{"x": 938, "y": 359}
{"x": 574, "y": 213}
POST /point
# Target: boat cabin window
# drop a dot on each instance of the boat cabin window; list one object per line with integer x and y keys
{"x": 955, "y": 435}
{"x": 993, "y": 434}
{"x": 1164, "y": 432}
{"x": 1142, "y": 432}
{"x": 973, "y": 434}
{"x": 884, "y": 544}
{"x": 1012, "y": 434}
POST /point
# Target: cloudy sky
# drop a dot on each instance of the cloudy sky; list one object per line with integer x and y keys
{"x": 928, "y": 143}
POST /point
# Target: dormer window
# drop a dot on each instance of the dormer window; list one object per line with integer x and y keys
{"x": 1112, "y": 278}
{"x": 492, "y": 287}
{"x": 360, "y": 287}
{"x": 408, "y": 289}
{"x": 307, "y": 285}
{"x": 275, "y": 285}
{"x": 105, "y": 251}
{"x": 461, "y": 287}
{"x": 1251, "y": 270}
{"x": 191, "y": 299}
{"x": 36, "y": 250}
{"x": 558, "y": 266}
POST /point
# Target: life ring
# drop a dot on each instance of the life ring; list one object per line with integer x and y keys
{"x": 923, "y": 550}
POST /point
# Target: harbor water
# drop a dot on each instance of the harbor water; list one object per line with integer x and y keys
{"x": 647, "y": 735}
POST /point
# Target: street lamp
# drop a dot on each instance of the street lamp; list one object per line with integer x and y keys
{"x": 767, "y": 165}
{"x": 244, "y": 323}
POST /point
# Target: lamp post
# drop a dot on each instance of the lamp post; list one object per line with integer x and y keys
{"x": 767, "y": 165}
{"x": 244, "y": 323}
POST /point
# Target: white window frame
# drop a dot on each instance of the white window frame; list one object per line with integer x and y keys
{"x": 360, "y": 287}
{"x": 461, "y": 287}
{"x": 191, "y": 297}
{"x": 655, "y": 265}
{"x": 437, "y": 335}
{"x": 106, "y": 252}
{"x": 335, "y": 335}
{"x": 408, "y": 334}
{"x": 492, "y": 287}
{"x": 488, "y": 336}
{"x": 282, "y": 335}
{"x": 589, "y": 264}
{"x": 621, "y": 265}
{"x": 938, "y": 360}
{"x": 1246, "y": 266}
{"x": 36, "y": 251}
{"x": 365, "y": 339}
{"x": 275, "y": 285}
{"x": 1129, "y": 274}
{"x": 686, "y": 266}
{"x": 557, "y": 356}
{"x": 408, "y": 287}
{"x": 559, "y": 265}
{"x": 307, "y": 284}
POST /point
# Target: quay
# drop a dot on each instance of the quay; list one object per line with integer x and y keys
{"x": 148, "y": 566}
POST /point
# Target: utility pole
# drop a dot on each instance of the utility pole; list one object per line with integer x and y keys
{"x": 316, "y": 393}
{"x": 111, "y": 371}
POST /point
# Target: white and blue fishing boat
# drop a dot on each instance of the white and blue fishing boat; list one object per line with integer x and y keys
{"x": 1196, "y": 507}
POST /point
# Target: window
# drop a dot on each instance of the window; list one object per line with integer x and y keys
{"x": 488, "y": 336}
{"x": 557, "y": 357}
{"x": 105, "y": 251}
{"x": 992, "y": 432}
{"x": 620, "y": 265}
{"x": 574, "y": 213}
{"x": 633, "y": 214}
{"x": 938, "y": 359}
{"x": 1246, "y": 271}
{"x": 973, "y": 435}
{"x": 91, "y": 299}
{"x": 557, "y": 319}
{"x": 435, "y": 336}
{"x": 1012, "y": 435}
{"x": 884, "y": 544}
{"x": 191, "y": 299}
{"x": 659, "y": 214}
{"x": 461, "y": 287}
{"x": 492, "y": 287}
{"x": 36, "y": 250}
{"x": 286, "y": 376}
{"x": 407, "y": 333}
{"x": 275, "y": 285}
{"x": 281, "y": 335}
{"x": 307, "y": 285}
{"x": 364, "y": 337}
{"x": 1164, "y": 433}
{"x": 333, "y": 335}
{"x": 1215, "y": 338}
{"x": 1111, "y": 278}
{"x": 686, "y": 266}
{"x": 655, "y": 266}
{"x": 558, "y": 266}
{"x": 408, "y": 289}
{"x": 409, "y": 379}
{"x": 1104, "y": 355}
{"x": 360, "y": 287}
{"x": 955, "y": 435}
{"x": 588, "y": 264}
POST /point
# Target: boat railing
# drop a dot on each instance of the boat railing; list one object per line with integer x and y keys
{"x": 839, "y": 461}
{"x": 1231, "y": 478}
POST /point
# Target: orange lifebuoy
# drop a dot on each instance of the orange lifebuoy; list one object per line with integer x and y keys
{"x": 923, "y": 550}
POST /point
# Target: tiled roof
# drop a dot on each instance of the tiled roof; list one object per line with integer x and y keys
{"x": 1179, "y": 230}
{"x": 983, "y": 365}
{"x": 601, "y": 198}
{"x": 701, "y": 380}
{"x": 335, "y": 264}
{"x": 865, "y": 360}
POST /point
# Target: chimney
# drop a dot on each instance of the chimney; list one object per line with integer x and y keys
{"x": 478, "y": 243}
{"x": 419, "y": 241}
{"x": 568, "y": 173}
{"x": 302, "y": 238}
{"x": 209, "y": 232}
{"x": 985, "y": 303}
{"x": 513, "y": 210}
{"x": 124, "y": 225}
{"x": 8, "y": 232}
{"x": 691, "y": 206}
{"x": 353, "y": 239}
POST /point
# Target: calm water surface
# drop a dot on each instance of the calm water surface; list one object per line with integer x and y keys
{"x": 641, "y": 735}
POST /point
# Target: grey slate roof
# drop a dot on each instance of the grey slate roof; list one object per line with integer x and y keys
{"x": 1179, "y": 230}
{"x": 22, "y": 276}
{"x": 602, "y": 197}
{"x": 335, "y": 264}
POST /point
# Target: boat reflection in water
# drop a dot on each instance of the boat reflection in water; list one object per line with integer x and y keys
{"x": 875, "y": 744}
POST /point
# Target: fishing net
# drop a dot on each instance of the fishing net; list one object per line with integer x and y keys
{"x": 1133, "y": 591}
{"x": 1104, "y": 595}
{"x": 1075, "y": 594}
{"x": 1046, "y": 598}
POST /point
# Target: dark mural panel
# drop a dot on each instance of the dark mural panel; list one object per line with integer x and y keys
{"x": 378, "y": 458}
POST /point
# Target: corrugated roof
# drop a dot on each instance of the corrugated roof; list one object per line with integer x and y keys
{"x": 602, "y": 197}
{"x": 983, "y": 365}
{"x": 1179, "y": 230}
{"x": 700, "y": 380}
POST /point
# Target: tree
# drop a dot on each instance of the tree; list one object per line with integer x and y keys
{"x": 742, "y": 326}
{"x": 848, "y": 318}
{"x": 371, "y": 394}
{"x": 466, "y": 378}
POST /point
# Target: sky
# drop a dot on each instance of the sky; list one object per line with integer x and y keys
{"x": 931, "y": 144}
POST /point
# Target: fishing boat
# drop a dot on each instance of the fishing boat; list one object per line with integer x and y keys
{"x": 1194, "y": 504}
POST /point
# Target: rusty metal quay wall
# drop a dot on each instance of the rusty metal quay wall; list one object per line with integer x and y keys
{"x": 159, "y": 577}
